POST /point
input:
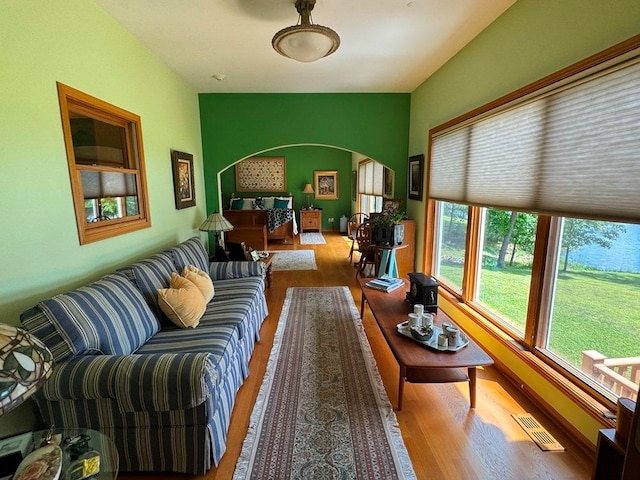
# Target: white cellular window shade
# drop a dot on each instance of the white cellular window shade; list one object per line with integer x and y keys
{"x": 371, "y": 178}
{"x": 572, "y": 151}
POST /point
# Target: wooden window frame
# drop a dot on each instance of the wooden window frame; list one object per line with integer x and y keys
{"x": 537, "y": 322}
{"x": 72, "y": 100}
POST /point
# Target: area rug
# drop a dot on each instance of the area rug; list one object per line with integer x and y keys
{"x": 294, "y": 260}
{"x": 322, "y": 411}
{"x": 312, "y": 238}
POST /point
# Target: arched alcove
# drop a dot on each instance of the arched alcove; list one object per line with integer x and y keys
{"x": 301, "y": 162}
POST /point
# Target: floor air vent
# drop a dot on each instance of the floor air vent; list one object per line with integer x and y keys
{"x": 538, "y": 433}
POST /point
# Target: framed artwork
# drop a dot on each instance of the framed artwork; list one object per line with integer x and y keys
{"x": 325, "y": 184}
{"x": 182, "y": 164}
{"x": 389, "y": 177}
{"x": 354, "y": 186}
{"x": 261, "y": 174}
{"x": 416, "y": 166}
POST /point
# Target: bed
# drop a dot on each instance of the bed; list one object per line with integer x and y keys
{"x": 258, "y": 220}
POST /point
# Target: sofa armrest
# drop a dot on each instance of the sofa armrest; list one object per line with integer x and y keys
{"x": 149, "y": 382}
{"x": 229, "y": 270}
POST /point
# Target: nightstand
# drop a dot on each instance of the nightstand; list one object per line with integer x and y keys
{"x": 310, "y": 220}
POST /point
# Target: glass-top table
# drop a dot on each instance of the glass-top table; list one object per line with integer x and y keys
{"x": 79, "y": 443}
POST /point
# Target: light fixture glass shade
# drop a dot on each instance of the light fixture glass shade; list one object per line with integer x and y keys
{"x": 306, "y": 43}
{"x": 308, "y": 188}
{"x": 215, "y": 223}
{"x": 25, "y": 363}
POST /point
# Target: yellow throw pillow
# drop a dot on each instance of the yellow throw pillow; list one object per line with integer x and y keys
{"x": 201, "y": 279}
{"x": 182, "y": 302}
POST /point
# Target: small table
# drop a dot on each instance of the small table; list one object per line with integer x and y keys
{"x": 268, "y": 263}
{"x": 418, "y": 364}
{"x": 310, "y": 220}
{"x": 388, "y": 265}
{"x": 109, "y": 460}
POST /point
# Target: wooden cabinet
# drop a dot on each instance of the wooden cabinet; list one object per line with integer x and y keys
{"x": 406, "y": 257}
{"x": 610, "y": 456}
{"x": 618, "y": 450}
{"x": 310, "y": 220}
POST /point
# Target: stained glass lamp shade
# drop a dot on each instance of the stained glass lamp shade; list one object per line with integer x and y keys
{"x": 25, "y": 363}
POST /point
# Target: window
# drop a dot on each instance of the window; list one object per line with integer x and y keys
{"x": 450, "y": 246}
{"x": 371, "y": 186}
{"x": 593, "y": 322}
{"x": 547, "y": 178}
{"x": 106, "y": 166}
{"x": 504, "y": 268}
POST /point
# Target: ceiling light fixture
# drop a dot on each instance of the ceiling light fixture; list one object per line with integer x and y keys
{"x": 305, "y": 42}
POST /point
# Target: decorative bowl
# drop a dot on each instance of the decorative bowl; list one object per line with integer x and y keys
{"x": 422, "y": 333}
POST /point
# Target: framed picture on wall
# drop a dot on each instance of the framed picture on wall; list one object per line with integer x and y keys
{"x": 183, "y": 184}
{"x": 416, "y": 176}
{"x": 389, "y": 177}
{"x": 354, "y": 186}
{"x": 261, "y": 174}
{"x": 325, "y": 184}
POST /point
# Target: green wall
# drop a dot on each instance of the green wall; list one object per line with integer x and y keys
{"x": 236, "y": 126}
{"x": 301, "y": 162}
{"x": 77, "y": 43}
{"x": 532, "y": 39}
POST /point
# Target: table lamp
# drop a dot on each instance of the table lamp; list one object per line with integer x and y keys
{"x": 217, "y": 224}
{"x": 25, "y": 363}
{"x": 308, "y": 189}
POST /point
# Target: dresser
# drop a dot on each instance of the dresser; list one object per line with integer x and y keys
{"x": 310, "y": 220}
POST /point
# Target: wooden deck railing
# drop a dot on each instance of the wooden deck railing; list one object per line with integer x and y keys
{"x": 620, "y": 375}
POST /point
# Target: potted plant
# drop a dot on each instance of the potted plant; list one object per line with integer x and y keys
{"x": 389, "y": 229}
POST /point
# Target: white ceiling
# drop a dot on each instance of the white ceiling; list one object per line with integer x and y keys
{"x": 386, "y": 45}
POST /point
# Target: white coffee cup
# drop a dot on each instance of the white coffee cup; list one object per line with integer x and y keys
{"x": 443, "y": 341}
{"x": 427, "y": 319}
{"x": 414, "y": 320}
{"x": 418, "y": 309}
{"x": 453, "y": 333}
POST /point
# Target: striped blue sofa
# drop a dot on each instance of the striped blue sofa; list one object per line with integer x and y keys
{"x": 163, "y": 394}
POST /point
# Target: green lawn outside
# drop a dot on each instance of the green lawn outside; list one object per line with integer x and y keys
{"x": 593, "y": 310}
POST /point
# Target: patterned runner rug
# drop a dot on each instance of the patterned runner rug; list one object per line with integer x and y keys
{"x": 312, "y": 238}
{"x": 322, "y": 411}
{"x": 294, "y": 260}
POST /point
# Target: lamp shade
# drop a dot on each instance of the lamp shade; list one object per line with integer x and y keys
{"x": 308, "y": 188}
{"x": 305, "y": 42}
{"x": 25, "y": 363}
{"x": 215, "y": 223}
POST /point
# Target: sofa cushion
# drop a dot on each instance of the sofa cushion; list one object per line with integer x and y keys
{"x": 37, "y": 323}
{"x": 109, "y": 317}
{"x": 150, "y": 275}
{"x": 221, "y": 340}
{"x": 182, "y": 302}
{"x": 201, "y": 279}
{"x": 190, "y": 252}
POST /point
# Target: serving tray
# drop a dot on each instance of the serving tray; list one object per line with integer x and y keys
{"x": 404, "y": 329}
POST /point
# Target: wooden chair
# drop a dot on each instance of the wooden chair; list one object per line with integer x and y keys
{"x": 366, "y": 247}
{"x": 355, "y": 221}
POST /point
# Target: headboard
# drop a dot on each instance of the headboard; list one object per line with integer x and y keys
{"x": 257, "y": 201}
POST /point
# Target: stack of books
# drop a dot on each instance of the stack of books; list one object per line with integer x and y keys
{"x": 385, "y": 283}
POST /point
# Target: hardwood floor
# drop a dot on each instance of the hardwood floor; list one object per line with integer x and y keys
{"x": 445, "y": 438}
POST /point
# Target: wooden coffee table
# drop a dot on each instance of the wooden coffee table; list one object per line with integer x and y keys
{"x": 419, "y": 364}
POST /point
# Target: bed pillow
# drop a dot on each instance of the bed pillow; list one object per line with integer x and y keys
{"x": 267, "y": 202}
{"x": 201, "y": 280}
{"x": 280, "y": 203}
{"x": 236, "y": 203}
{"x": 182, "y": 302}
